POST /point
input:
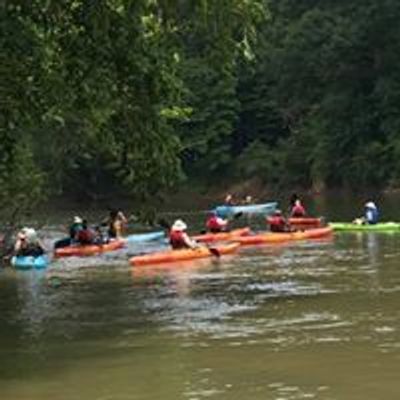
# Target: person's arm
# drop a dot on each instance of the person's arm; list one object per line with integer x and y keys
{"x": 189, "y": 242}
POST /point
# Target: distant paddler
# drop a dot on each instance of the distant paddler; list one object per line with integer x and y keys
{"x": 216, "y": 224}
{"x": 371, "y": 215}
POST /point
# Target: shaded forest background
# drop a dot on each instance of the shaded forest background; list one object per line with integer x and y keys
{"x": 137, "y": 96}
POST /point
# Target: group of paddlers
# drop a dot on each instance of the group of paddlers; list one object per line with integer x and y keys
{"x": 80, "y": 233}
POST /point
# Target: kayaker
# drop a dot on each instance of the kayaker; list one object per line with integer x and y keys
{"x": 215, "y": 223}
{"x": 75, "y": 227}
{"x": 85, "y": 235}
{"x": 178, "y": 238}
{"x": 371, "y": 213}
{"x": 278, "y": 222}
{"x": 248, "y": 200}
{"x": 298, "y": 210}
{"x": 229, "y": 200}
{"x": 28, "y": 243}
{"x": 116, "y": 223}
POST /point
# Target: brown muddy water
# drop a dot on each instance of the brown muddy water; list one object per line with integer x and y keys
{"x": 309, "y": 320}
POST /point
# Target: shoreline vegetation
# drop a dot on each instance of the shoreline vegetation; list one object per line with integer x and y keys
{"x": 139, "y": 99}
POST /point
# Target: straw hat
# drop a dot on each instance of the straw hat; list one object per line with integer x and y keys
{"x": 179, "y": 225}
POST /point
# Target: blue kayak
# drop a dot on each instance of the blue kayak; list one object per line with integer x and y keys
{"x": 30, "y": 262}
{"x": 264, "y": 209}
{"x": 145, "y": 237}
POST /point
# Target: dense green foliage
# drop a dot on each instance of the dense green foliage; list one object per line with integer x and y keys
{"x": 130, "y": 96}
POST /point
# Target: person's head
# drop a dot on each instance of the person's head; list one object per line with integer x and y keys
{"x": 84, "y": 223}
{"x": 77, "y": 220}
{"x": 228, "y": 197}
{"x": 179, "y": 225}
{"x": 113, "y": 213}
{"x": 278, "y": 213}
{"x": 248, "y": 199}
{"x": 30, "y": 234}
{"x": 297, "y": 202}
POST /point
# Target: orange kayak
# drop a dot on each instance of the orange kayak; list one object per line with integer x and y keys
{"x": 182, "y": 255}
{"x": 88, "y": 250}
{"x": 279, "y": 237}
{"x": 220, "y": 236}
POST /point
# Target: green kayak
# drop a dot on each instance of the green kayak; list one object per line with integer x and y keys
{"x": 381, "y": 227}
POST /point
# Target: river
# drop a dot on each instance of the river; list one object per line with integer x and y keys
{"x": 309, "y": 320}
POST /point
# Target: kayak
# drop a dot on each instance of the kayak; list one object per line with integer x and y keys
{"x": 228, "y": 211}
{"x": 88, "y": 250}
{"x": 381, "y": 227}
{"x": 306, "y": 221}
{"x": 145, "y": 237}
{"x": 169, "y": 256}
{"x": 279, "y": 237}
{"x": 303, "y": 221}
{"x": 220, "y": 236}
{"x": 30, "y": 262}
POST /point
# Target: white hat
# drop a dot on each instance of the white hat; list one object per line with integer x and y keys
{"x": 77, "y": 220}
{"x": 30, "y": 234}
{"x": 179, "y": 225}
{"x": 370, "y": 204}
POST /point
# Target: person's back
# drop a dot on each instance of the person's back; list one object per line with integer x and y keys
{"x": 216, "y": 224}
{"x": 298, "y": 210}
{"x": 371, "y": 213}
{"x": 85, "y": 235}
{"x": 277, "y": 222}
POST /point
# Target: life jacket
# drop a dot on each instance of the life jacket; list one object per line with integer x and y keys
{"x": 176, "y": 240}
{"x": 214, "y": 224}
{"x": 277, "y": 223}
{"x": 298, "y": 211}
{"x": 85, "y": 236}
{"x": 33, "y": 250}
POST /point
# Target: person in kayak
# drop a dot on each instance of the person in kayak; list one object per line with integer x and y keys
{"x": 86, "y": 235}
{"x": 28, "y": 243}
{"x": 278, "y": 223}
{"x": 178, "y": 238}
{"x": 74, "y": 229}
{"x": 116, "y": 223}
{"x": 371, "y": 213}
{"x": 228, "y": 201}
{"x": 298, "y": 210}
{"x": 215, "y": 223}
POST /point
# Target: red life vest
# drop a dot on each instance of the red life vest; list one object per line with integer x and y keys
{"x": 298, "y": 211}
{"x": 85, "y": 236}
{"x": 214, "y": 225}
{"x": 277, "y": 223}
{"x": 176, "y": 240}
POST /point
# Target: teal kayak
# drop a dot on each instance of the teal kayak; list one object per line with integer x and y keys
{"x": 30, "y": 262}
{"x": 381, "y": 227}
{"x": 263, "y": 209}
{"x": 145, "y": 237}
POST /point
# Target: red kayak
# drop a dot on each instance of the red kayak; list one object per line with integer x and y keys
{"x": 311, "y": 221}
{"x": 221, "y": 236}
{"x": 88, "y": 250}
{"x": 280, "y": 237}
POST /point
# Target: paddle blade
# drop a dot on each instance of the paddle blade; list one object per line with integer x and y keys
{"x": 214, "y": 252}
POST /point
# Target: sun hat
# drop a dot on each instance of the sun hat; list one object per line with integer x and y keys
{"x": 77, "y": 220}
{"x": 278, "y": 212}
{"x": 370, "y": 204}
{"x": 179, "y": 225}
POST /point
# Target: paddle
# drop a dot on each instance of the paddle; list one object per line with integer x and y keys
{"x": 166, "y": 225}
